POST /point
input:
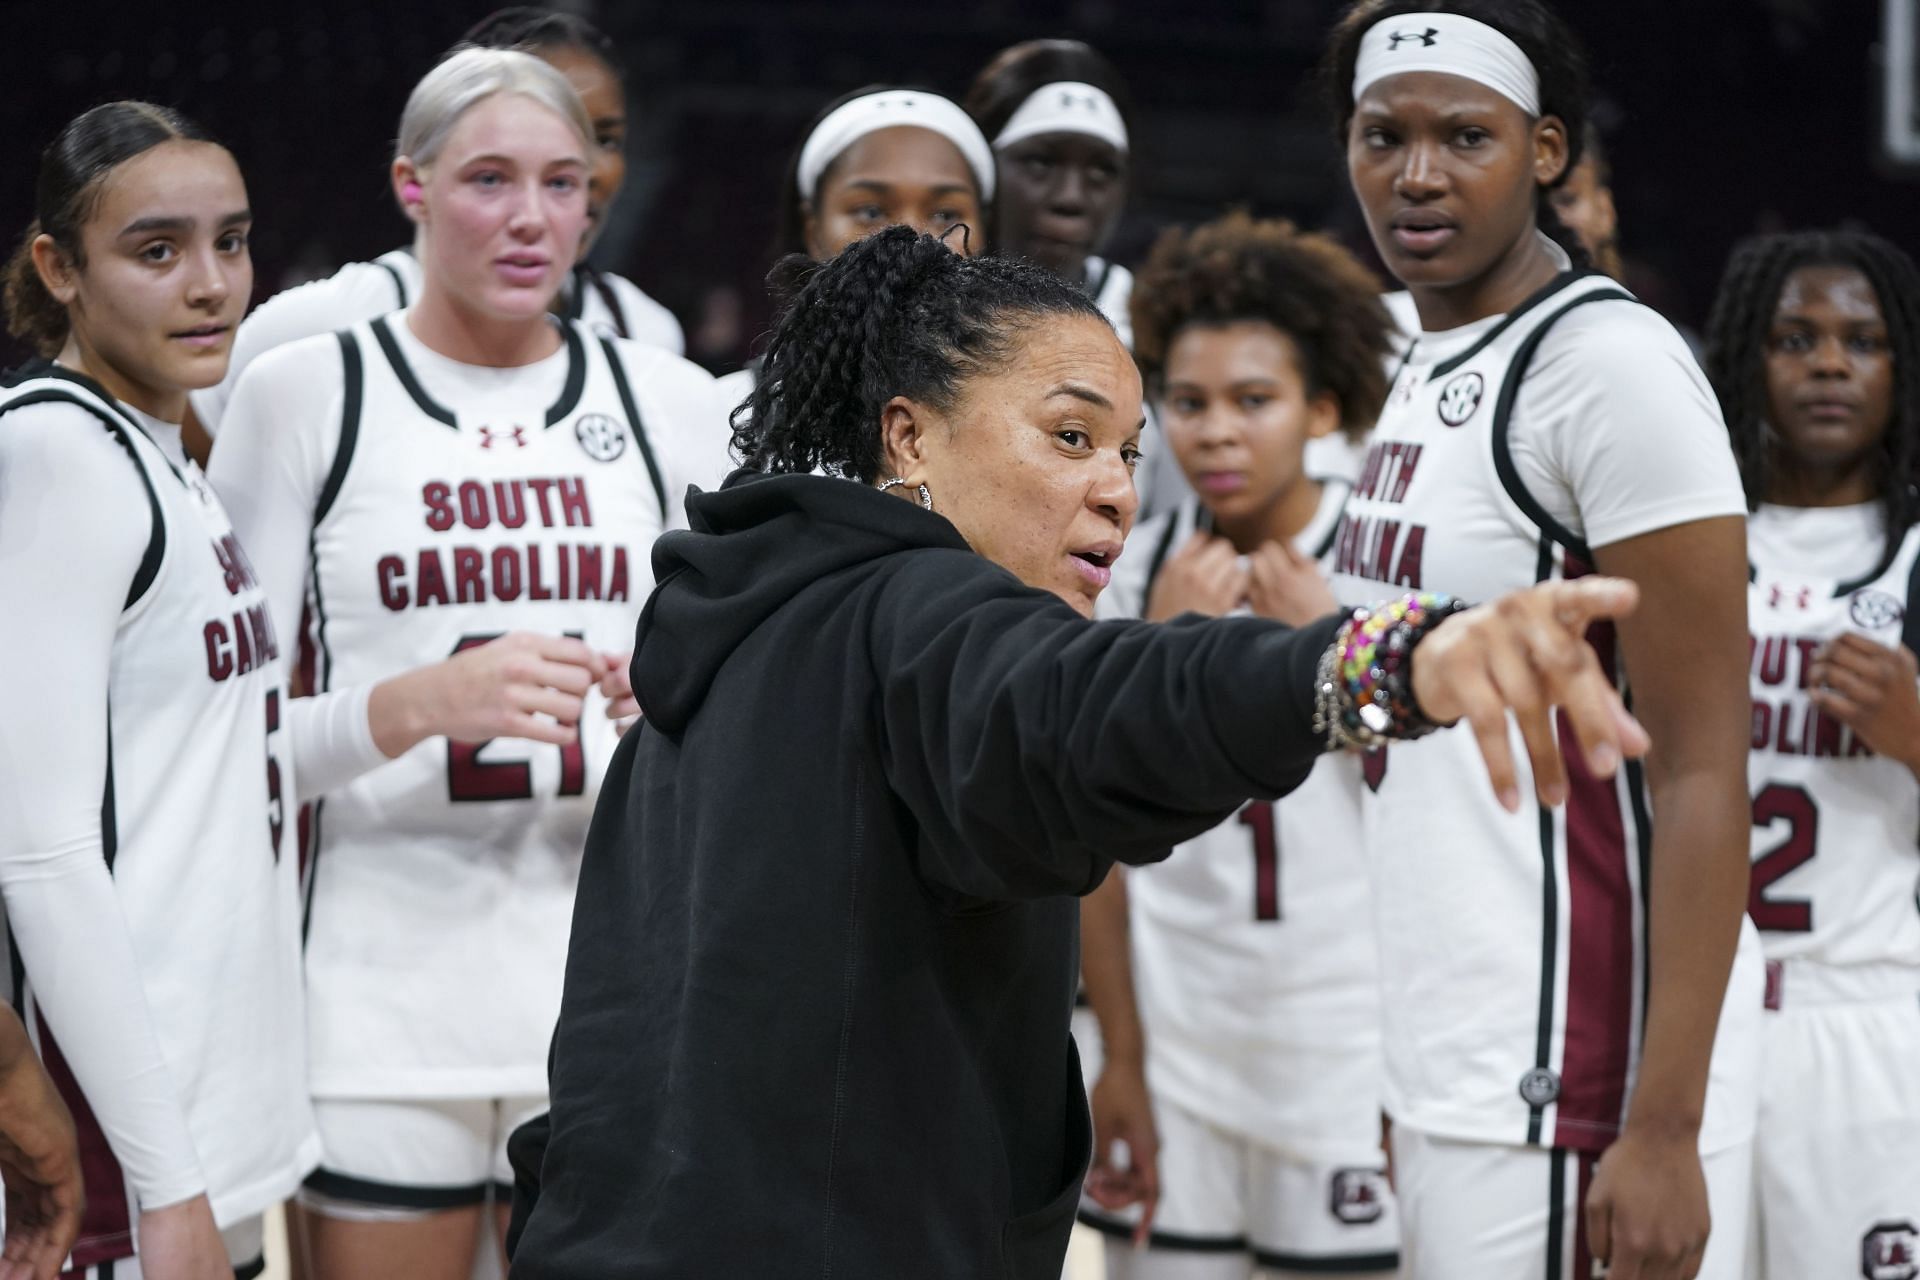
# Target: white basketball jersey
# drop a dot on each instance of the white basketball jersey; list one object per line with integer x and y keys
{"x": 1836, "y": 827}
{"x": 1254, "y": 961}
{"x": 1513, "y": 946}
{"x": 610, "y": 305}
{"x": 442, "y": 883}
{"x": 194, "y": 826}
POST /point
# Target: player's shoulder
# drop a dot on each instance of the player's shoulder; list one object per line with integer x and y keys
{"x": 1611, "y": 332}
{"x": 647, "y": 318}
{"x": 357, "y": 291}
{"x": 311, "y": 362}
{"x": 60, "y": 435}
{"x": 659, "y": 369}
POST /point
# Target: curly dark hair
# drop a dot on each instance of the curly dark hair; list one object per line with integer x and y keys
{"x": 895, "y": 314}
{"x": 1302, "y": 283}
{"x": 1549, "y": 43}
{"x": 1736, "y": 350}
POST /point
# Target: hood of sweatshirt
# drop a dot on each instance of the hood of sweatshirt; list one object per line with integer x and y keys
{"x": 752, "y": 545}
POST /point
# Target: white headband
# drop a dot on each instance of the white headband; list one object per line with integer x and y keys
{"x": 1450, "y": 43}
{"x": 888, "y": 109}
{"x": 1066, "y": 106}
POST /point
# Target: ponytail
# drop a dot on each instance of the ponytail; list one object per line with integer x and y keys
{"x": 895, "y": 314}
{"x": 72, "y": 170}
{"x": 34, "y": 315}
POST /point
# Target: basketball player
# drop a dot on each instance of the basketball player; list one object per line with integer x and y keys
{"x": 1552, "y": 982}
{"x": 145, "y": 775}
{"x": 1813, "y": 346}
{"x": 882, "y": 156}
{"x": 423, "y": 483}
{"x": 1254, "y": 967}
{"x": 608, "y": 303}
{"x": 1584, "y": 205}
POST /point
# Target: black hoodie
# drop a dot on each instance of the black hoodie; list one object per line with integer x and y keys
{"x": 825, "y": 943}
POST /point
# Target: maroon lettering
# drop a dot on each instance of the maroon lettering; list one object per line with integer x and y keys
{"x": 506, "y": 573}
{"x": 219, "y": 651}
{"x": 473, "y": 505}
{"x": 573, "y": 501}
{"x": 391, "y": 571}
{"x": 540, "y": 490}
{"x": 467, "y": 586}
{"x": 536, "y": 587}
{"x": 617, "y": 585}
{"x": 1408, "y": 461}
{"x": 510, "y": 503}
{"x": 589, "y": 577}
{"x": 432, "y": 586}
{"x": 1407, "y": 572}
{"x": 437, "y": 494}
{"x": 260, "y": 622}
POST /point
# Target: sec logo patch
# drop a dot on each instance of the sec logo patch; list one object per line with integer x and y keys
{"x": 1875, "y": 609}
{"x": 601, "y": 437}
{"x": 1460, "y": 397}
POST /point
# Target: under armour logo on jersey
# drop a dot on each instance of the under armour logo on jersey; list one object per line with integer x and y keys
{"x": 1357, "y": 1196}
{"x": 1460, "y": 397}
{"x": 601, "y": 437}
{"x": 1802, "y": 597}
{"x": 1875, "y": 609}
{"x": 1890, "y": 1251}
{"x": 489, "y": 437}
{"x": 1427, "y": 38}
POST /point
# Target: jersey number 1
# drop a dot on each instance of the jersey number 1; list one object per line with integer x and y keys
{"x": 1258, "y": 817}
{"x": 1778, "y": 802}
{"x": 471, "y": 778}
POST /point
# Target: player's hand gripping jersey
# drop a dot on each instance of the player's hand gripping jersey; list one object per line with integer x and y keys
{"x": 1514, "y": 945}
{"x": 145, "y": 799}
{"x": 416, "y": 507}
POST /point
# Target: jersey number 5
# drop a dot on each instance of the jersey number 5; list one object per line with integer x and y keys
{"x": 471, "y": 778}
{"x": 1778, "y": 802}
{"x": 1258, "y": 817}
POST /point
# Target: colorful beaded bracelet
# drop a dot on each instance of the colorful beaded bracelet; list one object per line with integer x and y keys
{"x": 1364, "y": 686}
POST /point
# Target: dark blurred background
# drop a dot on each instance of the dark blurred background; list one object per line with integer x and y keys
{"x": 1722, "y": 117}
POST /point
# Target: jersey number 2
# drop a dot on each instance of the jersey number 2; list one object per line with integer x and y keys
{"x": 471, "y": 778}
{"x": 1258, "y": 817}
{"x": 1778, "y": 802}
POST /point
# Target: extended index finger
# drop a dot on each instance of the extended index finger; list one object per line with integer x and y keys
{"x": 1583, "y": 601}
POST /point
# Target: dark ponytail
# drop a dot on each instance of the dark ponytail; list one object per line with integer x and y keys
{"x": 895, "y": 314}
{"x": 1546, "y": 39}
{"x": 72, "y": 170}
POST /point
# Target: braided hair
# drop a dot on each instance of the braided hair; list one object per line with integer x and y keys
{"x": 1302, "y": 283}
{"x": 1736, "y": 350}
{"x": 895, "y": 314}
{"x": 1557, "y": 56}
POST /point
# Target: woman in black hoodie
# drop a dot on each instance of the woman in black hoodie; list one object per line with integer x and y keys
{"x": 824, "y": 950}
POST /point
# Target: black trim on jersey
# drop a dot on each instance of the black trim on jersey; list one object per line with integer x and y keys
{"x": 608, "y": 295}
{"x": 341, "y": 1186}
{"x": 251, "y": 1270}
{"x": 632, "y": 409}
{"x": 1333, "y": 525}
{"x": 1643, "y": 835}
{"x": 1557, "y": 1215}
{"x": 1539, "y": 296}
{"x": 1160, "y": 551}
{"x": 1166, "y": 1239}
{"x": 117, "y": 426}
{"x": 1549, "y": 918}
{"x": 1098, "y": 285}
{"x": 1503, "y": 416}
{"x": 1888, "y": 554}
{"x": 353, "y": 383}
{"x": 399, "y": 282}
{"x": 428, "y": 405}
{"x": 576, "y": 376}
{"x": 1338, "y": 1264}
{"x": 109, "y": 808}
{"x": 1910, "y": 631}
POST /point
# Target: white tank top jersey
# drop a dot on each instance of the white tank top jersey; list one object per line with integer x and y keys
{"x": 1513, "y": 946}
{"x": 195, "y": 833}
{"x": 608, "y": 304}
{"x": 1255, "y": 966}
{"x": 449, "y": 504}
{"x": 1835, "y": 826}
{"x": 1112, "y": 288}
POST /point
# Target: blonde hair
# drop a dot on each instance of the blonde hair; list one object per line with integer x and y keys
{"x": 469, "y": 77}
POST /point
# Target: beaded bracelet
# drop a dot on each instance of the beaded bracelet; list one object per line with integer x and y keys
{"x": 1363, "y": 693}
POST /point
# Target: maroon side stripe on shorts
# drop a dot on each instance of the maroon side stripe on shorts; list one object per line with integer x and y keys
{"x": 106, "y": 1230}
{"x": 1601, "y": 959}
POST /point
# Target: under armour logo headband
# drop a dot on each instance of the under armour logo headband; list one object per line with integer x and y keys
{"x": 1065, "y": 106}
{"x": 1450, "y": 43}
{"x": 888, "y": 109}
